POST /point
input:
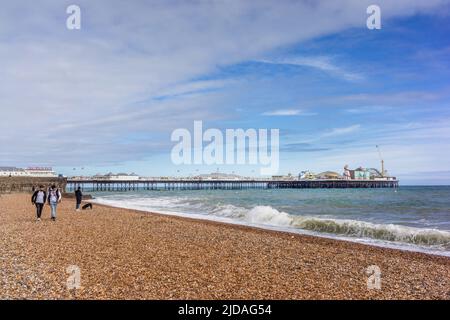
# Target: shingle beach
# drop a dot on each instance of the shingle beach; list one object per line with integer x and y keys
{"x": 127, "y": 254}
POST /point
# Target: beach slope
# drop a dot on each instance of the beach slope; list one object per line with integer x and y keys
{"x": 126, "y": 254}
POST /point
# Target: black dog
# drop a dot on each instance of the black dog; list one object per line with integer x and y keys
{"x": 87, "y": 206}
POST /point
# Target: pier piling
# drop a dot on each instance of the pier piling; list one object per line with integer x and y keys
{"x": 186, "y": 184}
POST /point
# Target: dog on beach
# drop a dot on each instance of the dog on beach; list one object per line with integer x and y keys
{"x": 87, "y": 206}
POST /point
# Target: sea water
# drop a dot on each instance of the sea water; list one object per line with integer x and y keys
{"x": 411, "y": 218}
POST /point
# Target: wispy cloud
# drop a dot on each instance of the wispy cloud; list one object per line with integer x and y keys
{"x": 367, "y": 109}
{"x": 192, "y": 87}
{"x": 401, "y": 97}
{"x": 95, "y": 88}
{"x": 288, "y": 112}
{"x": 302, "y": 147}
{"x": 341, "y": 131}
{"x": 322, "y": 63}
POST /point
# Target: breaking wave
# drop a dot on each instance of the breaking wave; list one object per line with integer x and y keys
{"x": 271, "y": 217}
{"x": 351, "y": 228}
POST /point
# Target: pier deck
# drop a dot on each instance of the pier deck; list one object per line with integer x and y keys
{"x": 185, "y": 184}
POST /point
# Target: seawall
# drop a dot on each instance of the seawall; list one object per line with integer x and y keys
{"x": 26, "y": 184}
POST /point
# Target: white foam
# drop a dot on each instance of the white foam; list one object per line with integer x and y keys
{"x": 269, "y": 216}
{"x": 387, "y": 232}
{"x": 386, "y": 235}
{"x": 229, "y": 210}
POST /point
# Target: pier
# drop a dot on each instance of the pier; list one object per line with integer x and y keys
{"x": 194, "y": 184}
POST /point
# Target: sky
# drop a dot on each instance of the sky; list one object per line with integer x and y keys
{"x": 108, "y": 96}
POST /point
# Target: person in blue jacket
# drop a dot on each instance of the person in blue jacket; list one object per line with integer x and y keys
{"x": 54, "y": 197}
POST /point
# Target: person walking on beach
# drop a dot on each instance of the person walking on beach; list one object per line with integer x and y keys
{"x": 54, "y": 197}
{"x": 79, "y": 198}
{"x": 38, "y": 199}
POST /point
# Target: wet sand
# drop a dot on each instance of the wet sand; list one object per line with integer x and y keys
{"x": 127, "y": 254}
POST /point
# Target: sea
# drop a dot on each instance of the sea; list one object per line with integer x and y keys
{"x": 415, "y": 218}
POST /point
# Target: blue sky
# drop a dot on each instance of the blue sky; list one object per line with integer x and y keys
{"x": 108, "y": 96}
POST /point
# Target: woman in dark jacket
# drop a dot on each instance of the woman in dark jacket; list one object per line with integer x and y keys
{"x": 38, "y": 199}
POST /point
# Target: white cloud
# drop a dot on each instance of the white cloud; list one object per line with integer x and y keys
{"x": 322, "y": 63}
{"x": 194, "y": 87}
{"x": 287, "y": 112}
{"x": 413, "y": 152}
{"x": 367, "y": 109}
{"x": 74, "y": 97}
{"x": 341, "y": 131}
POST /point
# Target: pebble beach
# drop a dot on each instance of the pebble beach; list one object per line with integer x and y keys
{"x": 127, "y": 254}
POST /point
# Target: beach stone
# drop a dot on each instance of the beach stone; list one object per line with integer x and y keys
{"x": 127, "y": 254}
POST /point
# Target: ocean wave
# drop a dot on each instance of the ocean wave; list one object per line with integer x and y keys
{"x": 269, "y": 216}
{"x": 147, "y": 203}
{"x": 351, "y": 228}
{"x": 229, "y": 211}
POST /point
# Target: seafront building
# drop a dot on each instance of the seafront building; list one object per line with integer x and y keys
{"x": 117, "y": 177}
{"x": 39, "y": 172}
{"x": 219, "y": 176}
{"x": 288, "y": 177}
{"x": 349, "y": 174}
{"x": 12, "y": 172}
